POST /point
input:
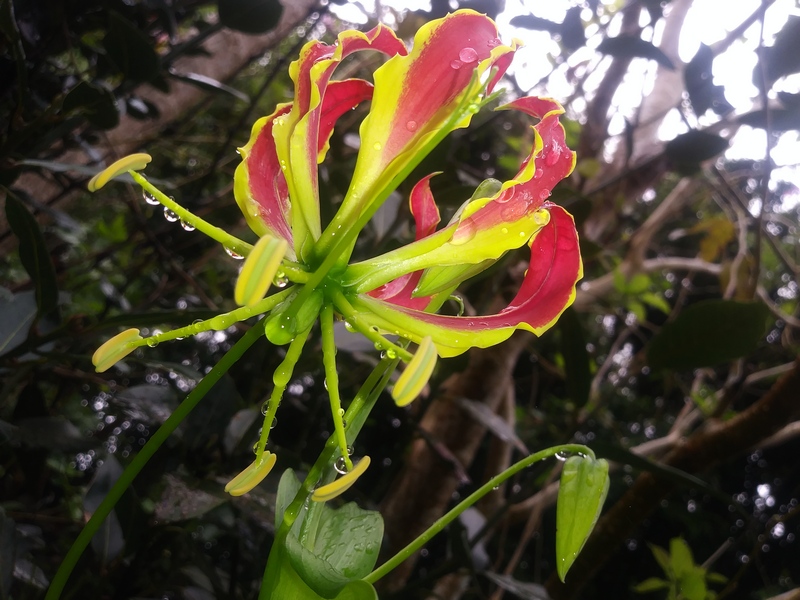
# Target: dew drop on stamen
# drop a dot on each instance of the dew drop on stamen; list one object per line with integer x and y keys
{"x": 152, "y": 342}
{"x": 468, "y": 55}
{"x": 391, "y": 354}
{"x": 233, "y": 254}
{"x": 187, "y": 226}
{"x": 150, "y": 199}
{"x": 274, "y": 423}
{"x": 349, "y": 327}
{"x": 340, "y": 465}
{"x": 170, "y": 215}
{"x": 264, "y": 408}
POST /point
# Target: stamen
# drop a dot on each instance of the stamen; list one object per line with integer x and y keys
{"x": 115, "y": 349}
{"x": 252, "y": 475}
{"x": 417, "y": 373}
{"x": 332, "y": 380}
{"x": 259, "y": 270}
{"x": 341, "y": 485}
{"x": 133, "y": 162}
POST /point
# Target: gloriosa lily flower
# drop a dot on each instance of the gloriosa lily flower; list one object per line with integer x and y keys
{"x": 417, "y": 98}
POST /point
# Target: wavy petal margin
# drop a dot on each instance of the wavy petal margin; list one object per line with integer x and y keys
{"x": 547, "y": 290}
{"x": 416, "y": 95}
{"x": 297, "y": 135}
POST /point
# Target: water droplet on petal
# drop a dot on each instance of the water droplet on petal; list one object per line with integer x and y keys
{"x": 465, "y": 232}
{"x": 377, "y": 146}
{"x": 411, "y": 126}
{"x": 504, "y": 230}
{"x": 150, "y": 199}
{"x": 552, "y": 157}
{"x": 541, "y": 217}
{"x": 456, "y": 64}
{"x": 544, "y": 194}
{"x": 539, "y": 172}
{"x": 468, "y": 55}
{"x": 170, "y": 215}
{"x": 187, "y": 226}
{"x": 493, "y": 43}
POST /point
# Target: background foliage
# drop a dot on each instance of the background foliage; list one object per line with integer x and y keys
{"x": 676, "y": 361}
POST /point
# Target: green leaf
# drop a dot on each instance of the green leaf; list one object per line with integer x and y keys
{"x": 17, "y": 313}
{"x": 653, "y": 584}
{"x": 692, "y": 585}
{"x": 680, "y": 557}
{"x": 656, "y": 301}
{"x": 94, "y": 102}
{"x": 343, "y": 548}
{"x": 716, "y": 578}
{"x": 33, "y": 254}
{"x": 708, "y": 333}
{"x": 249, "y": 16}
{"x": 576, "y": 358}
{"x": 699, "y": 80}
{"x": 536, "y": 23}
{"x": 638, "y": 284}
{"x": 686, "y": 151}
{"x": 130, "y": 49}
{"x": 783, "y": 57}
{"x": 584, "y": 485}
{"x": 662, "y": 558}
{"x": 288, "y": 487}
{"x": 632, "y": 46}
{"x": 358, "y": 590}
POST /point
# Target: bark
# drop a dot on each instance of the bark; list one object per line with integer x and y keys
{"x": 701, "y": 451}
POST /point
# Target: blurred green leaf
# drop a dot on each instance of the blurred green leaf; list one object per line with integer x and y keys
{"x": 131, "y": 50}
{"x": 249, "y": 16}
{"x": 681, "y": 558}
{"x": 686, "y": 151}
{"x": 34, "y": 255}
{"x": 358, "y": 590}
{"x": 94, "y": 102}
{"x": 783, "y": 57}
{"x": 653, "y": 584}
{"x": 708, "y": 333}
{"x": 583, "y": 489}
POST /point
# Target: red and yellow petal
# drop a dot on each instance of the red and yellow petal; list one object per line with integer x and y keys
{"x": 547, "y": 290}
{"x": 416, "y": 95}
{"x": 297, "y": 136}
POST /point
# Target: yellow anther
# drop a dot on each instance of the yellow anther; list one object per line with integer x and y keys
{"x": 341, "y": 485}
{"x": 259, "y": 270}
{"x": 417, "y": 373}
{"x": 134, "y": 162}
{"x": 252, "y": 475}
{"x": 115, "y": 349}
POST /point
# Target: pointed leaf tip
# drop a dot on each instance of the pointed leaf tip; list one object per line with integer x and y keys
{"x": 583, "y": 489}
{"x": 133, "y": 162}
{"x": 417, "y": 373}
{"x": 115, "y": 349}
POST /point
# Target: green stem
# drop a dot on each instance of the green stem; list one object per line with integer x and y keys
{"x": 230, "y": 242}
{"x": 145, "y": 454}
{"x": 217, "y": 323}
{"x": 332, "y": 380}
{"x": 349, "y": 313}
{"x": 280, "y": 379}
{"x": 356, "y": 416}
{"x": 448, "y": 518}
